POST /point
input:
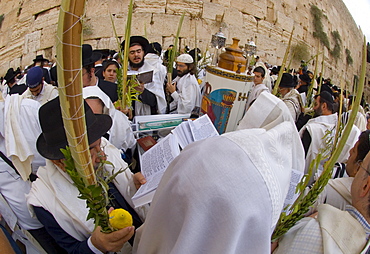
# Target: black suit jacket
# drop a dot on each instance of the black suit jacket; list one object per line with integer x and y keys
{"x": 19, "y": 89}
{"x": 109, "y": 89}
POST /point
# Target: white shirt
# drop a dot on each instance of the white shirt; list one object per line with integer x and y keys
{"x": 187, "y": 96}
{"x": 48, "y": 92}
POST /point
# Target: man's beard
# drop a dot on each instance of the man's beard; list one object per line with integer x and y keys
{"x": 318, "y": 112}
{"x": 138, "y": 65}
{"x": 182, "y": 73}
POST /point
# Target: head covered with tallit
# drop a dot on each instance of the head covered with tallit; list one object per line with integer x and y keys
{"x": 225, "y": 194}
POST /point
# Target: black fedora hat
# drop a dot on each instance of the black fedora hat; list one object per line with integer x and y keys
{"x": 139, "y": 40}
{"x": 53, "y": 136}
{"x": 305, "y": 78}
{"x": 88, "y": 56}
{"x": 40, "y": 58}
{"x": 11, "y": 74}
{"x": 287, "y": 80}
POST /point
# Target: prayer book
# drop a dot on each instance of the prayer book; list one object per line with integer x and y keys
{"x": 146, "y": 142}
{"x": 143, "y": 76}
{"x": 190, "y": 131}
{"x": 154, "y": 163}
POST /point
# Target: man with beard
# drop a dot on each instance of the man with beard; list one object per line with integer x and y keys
{"x": 185, "y": 89}
{"x": 313, "y": 132}
{"x": 152, "y": 98}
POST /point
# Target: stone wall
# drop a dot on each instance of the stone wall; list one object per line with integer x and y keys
{"x": 29, "y": 27}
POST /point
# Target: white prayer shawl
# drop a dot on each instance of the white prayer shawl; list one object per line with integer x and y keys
{"x": 187, "y": 96}
{"x": 120, "y": 134}
{"x": 334, "y": 231}
{"x": 156, "y": 87}
{"x": 336, "y": 193}
{"x": 47, "y": 93}
{"x": 317, "y": 128}
{"x": 294, "y": 103}
{"x": 54, "y": 191}
{"x": 155, "y": 61}
{"x": 21, "y": 129}
{"x": 267, "y": 112}
{"x": 255, "y": 91}
{"x": 221, "y": 195}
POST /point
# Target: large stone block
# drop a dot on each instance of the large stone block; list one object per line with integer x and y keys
{"x": 210, "y": 10}
{"x": 284, "y": 22}
{"x": 32, "y": 42}
{"x": 48, "y": 37}
{"x": 256, "y": 8}
{"x": 193, "y": 7}
{"x": 34, "y": 8}
{"x": 150, "y": 6}
{"x": 46, "y": 18}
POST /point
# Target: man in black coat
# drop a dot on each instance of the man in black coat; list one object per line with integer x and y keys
{"x": 13, "y": 87}
{"x": 88, "y": 73}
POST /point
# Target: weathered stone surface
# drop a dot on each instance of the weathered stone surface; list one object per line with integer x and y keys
{"x": 210, "y": 10}
{"x": 255, "y": 8}
{"x": 193, "y": 7}
{"x": 150, "y": 6}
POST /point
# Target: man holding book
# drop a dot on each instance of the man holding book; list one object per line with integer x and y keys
{"x": 152, "y": 98}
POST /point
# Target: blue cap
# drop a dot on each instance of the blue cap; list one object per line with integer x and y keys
{"x": 34, "y": 77}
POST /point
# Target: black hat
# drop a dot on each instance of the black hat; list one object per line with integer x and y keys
{"x": 324, "y": 87}
{"x": 53, "y": 136}
{"x": 40, "y": 58}
{"x": 11, "y": 74}
{"x": 305, "y": 78}
{"x": 137, "y": 39}
{"x": 327, "y": 96}
{"x": 104, "y": 52}
{"x": 155, "y": 48}
{"x": 287, "y": 80}
{"x": 88, "y": 56}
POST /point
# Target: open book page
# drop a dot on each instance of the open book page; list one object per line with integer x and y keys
{"x": 143, "y": 76}
{"x": 154, "y": 163}
{"x": 183, "y": 134}
{"x": 202, "y": 128}
{"x": 295, "y": 178}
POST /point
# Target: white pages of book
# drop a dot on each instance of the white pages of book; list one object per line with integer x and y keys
{"x": 154, "y": 163}
{"x": 295, "y": 178}
{"x": 203, "y": 128}
{"x": 190, "y": 131}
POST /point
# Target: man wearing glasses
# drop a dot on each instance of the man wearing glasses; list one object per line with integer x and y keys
{"x": 333, "y": 230}
{"x": 185, "y": 89}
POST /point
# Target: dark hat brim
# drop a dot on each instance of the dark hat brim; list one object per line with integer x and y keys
{"x": 138, "y": 39}
{"x": 92, "y": 59}
{"x": 95, "y": 131}
{"x": 41, "y": 60}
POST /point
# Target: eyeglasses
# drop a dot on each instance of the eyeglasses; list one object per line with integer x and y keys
{"x": 132, "y": 52}
{"x": 360, "y": 165}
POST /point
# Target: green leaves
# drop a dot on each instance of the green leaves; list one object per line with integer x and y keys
{"x": 96, "y": 196}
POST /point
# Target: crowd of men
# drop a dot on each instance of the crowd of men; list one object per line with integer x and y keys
{"x": 220, "y": 195}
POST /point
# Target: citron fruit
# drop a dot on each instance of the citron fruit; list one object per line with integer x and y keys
{"x": 120, "y": 218}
